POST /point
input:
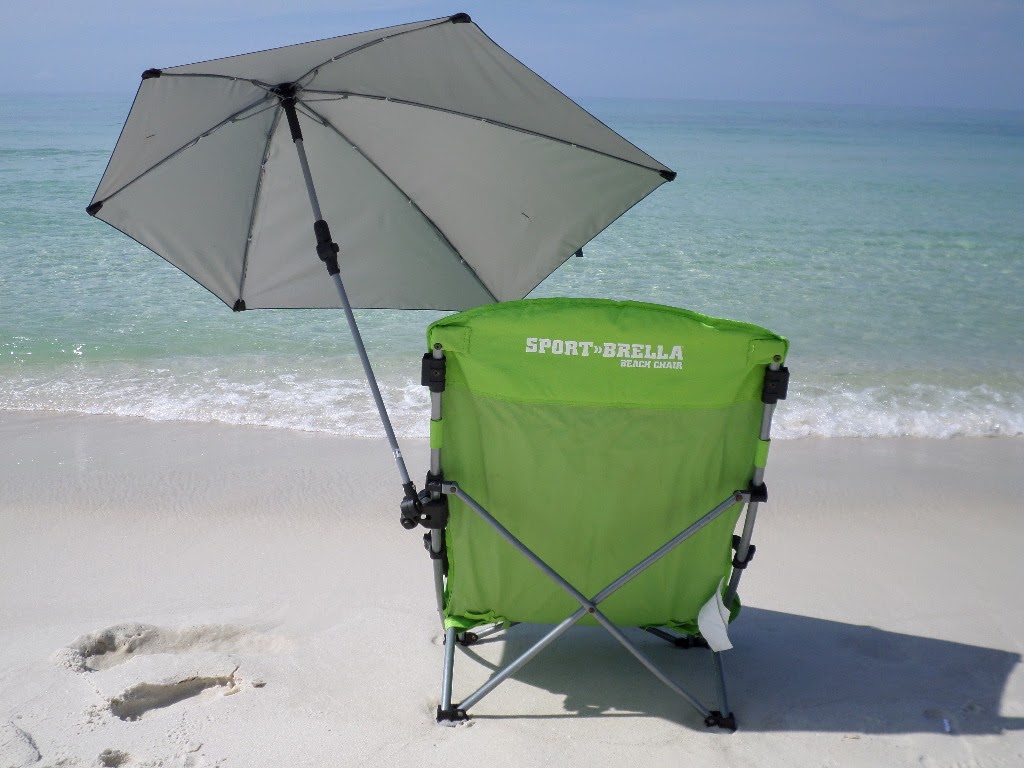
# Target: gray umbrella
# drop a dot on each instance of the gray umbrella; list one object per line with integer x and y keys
{"x": 452, "y": 174}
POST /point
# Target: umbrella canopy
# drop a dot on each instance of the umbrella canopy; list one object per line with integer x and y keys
{"x": 451, "y": 174}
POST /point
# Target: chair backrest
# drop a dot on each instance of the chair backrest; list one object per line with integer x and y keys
{"x": 595, "y": 431}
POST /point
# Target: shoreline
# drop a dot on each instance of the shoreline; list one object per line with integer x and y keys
{"x": 879, "y": 625}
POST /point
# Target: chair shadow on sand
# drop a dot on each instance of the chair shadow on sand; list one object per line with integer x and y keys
{"x": 786, "y": 673}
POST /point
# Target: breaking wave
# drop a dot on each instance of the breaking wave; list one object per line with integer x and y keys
{"x": 319, "y": 401}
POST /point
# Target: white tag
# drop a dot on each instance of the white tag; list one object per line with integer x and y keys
{"x": 713, "y": 621}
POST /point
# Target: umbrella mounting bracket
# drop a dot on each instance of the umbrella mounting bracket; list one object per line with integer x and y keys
{"x": 428, "y": 508}
{"x": 433, "y": 372}
{"x": 776, "y": 385}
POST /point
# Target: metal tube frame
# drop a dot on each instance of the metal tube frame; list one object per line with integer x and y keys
{"x": 587, "y": 606}
{"x": 353, "y": 327}
{"x": 436, "y": 536}
{"x": 751, "y": 515}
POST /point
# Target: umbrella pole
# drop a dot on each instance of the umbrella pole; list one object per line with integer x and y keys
{"x": 327, "y": 250}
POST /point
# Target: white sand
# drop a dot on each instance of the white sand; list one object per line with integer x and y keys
{"x": 248, "y": 596}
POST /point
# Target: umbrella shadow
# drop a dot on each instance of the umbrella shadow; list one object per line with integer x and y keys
{"x": 786, "y": 673}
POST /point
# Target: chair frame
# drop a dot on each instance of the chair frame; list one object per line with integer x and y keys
{"x": 437, "y": 489}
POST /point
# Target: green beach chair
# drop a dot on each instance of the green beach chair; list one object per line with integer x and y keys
{"x": 590, "y": 460}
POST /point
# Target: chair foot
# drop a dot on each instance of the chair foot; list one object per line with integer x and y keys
{"x": 453, "y": 715}
{"x": 717, "y": 720}
{"x": 688, "y": 641}
{"x": 679, "y": 641}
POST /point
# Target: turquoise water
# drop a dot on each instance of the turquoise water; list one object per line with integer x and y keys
{"x": 888, "y": 245}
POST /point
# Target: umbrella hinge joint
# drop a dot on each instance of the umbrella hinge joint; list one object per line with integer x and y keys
{"x": 286, "y": 93}
{"x": 326, "y": 248}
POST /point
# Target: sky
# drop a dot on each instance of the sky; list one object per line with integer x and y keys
{"x": 945, "y": 53}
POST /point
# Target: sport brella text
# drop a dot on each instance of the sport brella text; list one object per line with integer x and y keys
{"x": 629, "y": 355}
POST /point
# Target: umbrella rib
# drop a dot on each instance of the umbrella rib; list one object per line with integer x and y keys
{"x": 213, "y": 75}
{"x": 328, "y": 124}
{"x": 190, "y": 143}
{"x": 255, "y": 205}
{"x": 370, "y": 44}
{"x": 496, "y": 123}
{"x": 666, "y": 173}
{"x": 259, "y": 83}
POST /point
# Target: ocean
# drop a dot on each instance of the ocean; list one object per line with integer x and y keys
{"x": 887, "y": 244}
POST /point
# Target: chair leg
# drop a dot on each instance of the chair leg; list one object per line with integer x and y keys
{"x": 617, "y": 633}
{"x": 722, "y": 717}
{"x": 445, "y": 712}
{"x": 679, "y": 641}
{"x": 469, "y": 638}
{"x": 711, "y": 717}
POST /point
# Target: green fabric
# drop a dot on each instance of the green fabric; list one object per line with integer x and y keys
{"x": 436, "y": 439}
{"x": 761, "y": 456}
{"x": 595, "y": 453}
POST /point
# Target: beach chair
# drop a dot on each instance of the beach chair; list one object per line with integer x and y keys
{"x": 590, "y": 460}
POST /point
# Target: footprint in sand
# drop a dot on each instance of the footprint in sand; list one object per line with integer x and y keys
{"x": 140, "y": 699}
{"x": 101, "y": 651}
{"x": 17, "y": 749}
{"x": 120, "y": 643}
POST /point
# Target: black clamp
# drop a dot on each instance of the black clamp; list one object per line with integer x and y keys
{"x": 411, "y": 507}
{"x": 736, "y": 562}
{"x": 441, "y": 554}
{"x": 428, "y": 508}
{"x": 326, "y": 248}
{"x": 758, "y": 494}
{"x": 717, "y": 719}
{"x": 433, "y": 372}
{"x": 776, "y": 385}
{"x": 428, "y": 545}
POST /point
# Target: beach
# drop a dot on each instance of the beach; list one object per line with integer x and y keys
{"x": 201, "y": 562}
{"x": 201, "y": 594}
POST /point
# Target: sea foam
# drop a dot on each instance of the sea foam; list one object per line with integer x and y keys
{"x": 319, "y": 402}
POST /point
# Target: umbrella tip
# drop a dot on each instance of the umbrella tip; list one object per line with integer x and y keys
{"x": 239, "y": 306}
{"x": 94, "y": 208}
{"x": 668, "y": 175}
{"x": 150, "y": 73}
{"x": 460, "y": 18}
